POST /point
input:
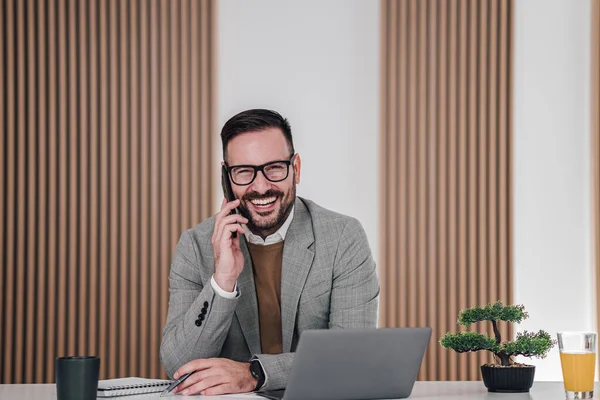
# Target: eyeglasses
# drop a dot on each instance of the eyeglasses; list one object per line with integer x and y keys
{"x": 274, "y": 171}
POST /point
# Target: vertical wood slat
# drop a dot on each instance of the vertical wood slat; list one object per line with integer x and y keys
{"x": 124, "y": 151}
{"x": 144, "y": 190}
{"x": 462, "y": 281}
{"x": 492, "y": 184}
{"x": 402, "y": 150}
{"x": 83, "y": 183}
{"x": 472, "y": 163}
{"x": 92, "y": 63}
{"x": 175, "y": 119}
{"x": 154, "y": 290}
{"x": 9, "y": 213}
{"x": 165, "y": 209}
{"x": 509, "y": 189}
{"x": 195, "y": 117}
{"x": 449, "y": 246}
{"x": 184, "y": 73}
{"x": 442, "y": 188}
{"x": 421, "y": 145}
{"x": 482, "y": 213}
{"x": 103, "y": 140}
{"x": 31, "y": 189}
{"x": 134, "y": 195}
{"x": 115, "y": 190}
{"x": 42, "y": 216}
{"x": 73, "y": 178}
{"x": 50, "y": 344}
{"x": 87, "y": 233}
{"x": 432, "y": 265}
{"x": 412, "y": 161}
{"x": 454, "y": 362}
{"x": 62, "y": 233}
{"x": 20, "y": 184}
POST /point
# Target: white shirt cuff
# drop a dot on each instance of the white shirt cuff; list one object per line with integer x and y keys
{"x": 221, "y": 292}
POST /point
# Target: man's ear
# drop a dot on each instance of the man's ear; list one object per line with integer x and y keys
{"x": 296, "y": 165}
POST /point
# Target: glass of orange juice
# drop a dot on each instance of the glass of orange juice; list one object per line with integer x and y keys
{"x": 578, "y": 360}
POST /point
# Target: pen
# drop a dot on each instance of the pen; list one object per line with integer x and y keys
{"x": 174, "y": 384}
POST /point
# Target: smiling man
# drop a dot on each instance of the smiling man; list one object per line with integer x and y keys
{"x": 238, "y": 305}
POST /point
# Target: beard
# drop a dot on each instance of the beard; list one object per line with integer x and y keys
{"x": 266, "y": 223}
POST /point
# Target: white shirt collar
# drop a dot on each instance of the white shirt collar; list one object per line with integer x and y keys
{"x": 276, "y": 237}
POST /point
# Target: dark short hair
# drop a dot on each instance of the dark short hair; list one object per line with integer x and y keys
{"x": 255, "y": 120}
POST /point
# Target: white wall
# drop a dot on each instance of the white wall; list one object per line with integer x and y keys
{"x": 552, "y": 242}
{"x": 317, "y": 63}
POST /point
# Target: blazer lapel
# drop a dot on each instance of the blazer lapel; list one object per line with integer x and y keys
{"x": 247, "y": 309}
{"x": 297, "y": 261}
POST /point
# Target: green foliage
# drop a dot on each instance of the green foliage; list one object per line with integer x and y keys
{"x": 463, "y": 342}
{"x": 492, "y": 312}
{"x": 528, "y": 344}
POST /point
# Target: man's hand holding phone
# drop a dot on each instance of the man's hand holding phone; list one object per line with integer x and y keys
{"x": 229, "y": 260}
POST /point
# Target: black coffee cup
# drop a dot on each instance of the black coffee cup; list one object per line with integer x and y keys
{"x": 77, "y": 377}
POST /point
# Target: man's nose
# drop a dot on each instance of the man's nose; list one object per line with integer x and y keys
{"x": 260, "y": 184}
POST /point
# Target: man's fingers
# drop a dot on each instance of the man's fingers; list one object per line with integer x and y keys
{"x": 193, "y": 379}
{"x": 231, "y": 228}
{"x": 188, "y": 382}
{"x": 233, "y": 219}
{"x": 227, "y": 207}
{"x": 203, "y": 385}
{"x": 194, "y": 365}
{"x": 225, "y": 221}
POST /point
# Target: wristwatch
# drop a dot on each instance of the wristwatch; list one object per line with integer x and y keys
{"x": 257, "y": 373}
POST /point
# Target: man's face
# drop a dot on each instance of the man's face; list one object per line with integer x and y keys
{"x": 265, "y": 204}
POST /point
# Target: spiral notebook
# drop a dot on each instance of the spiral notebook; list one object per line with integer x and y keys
{"x": 130, "y": 386}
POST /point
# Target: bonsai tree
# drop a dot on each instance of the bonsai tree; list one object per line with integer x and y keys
{"x": 528, "y": 344}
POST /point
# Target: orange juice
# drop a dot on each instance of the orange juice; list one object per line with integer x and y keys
{"x": 578, "y": 370}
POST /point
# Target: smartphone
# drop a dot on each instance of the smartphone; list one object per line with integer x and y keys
{"x": 228, "y": 193}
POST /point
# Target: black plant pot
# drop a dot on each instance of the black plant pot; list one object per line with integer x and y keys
{"x": 515, "y": 379}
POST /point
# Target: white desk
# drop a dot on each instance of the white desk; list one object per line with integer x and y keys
{"x": 422, "y": 391}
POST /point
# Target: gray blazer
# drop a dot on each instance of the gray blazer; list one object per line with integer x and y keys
{"x": 328, "y": 280}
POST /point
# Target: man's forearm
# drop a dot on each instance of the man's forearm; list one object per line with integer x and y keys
{"x": 198, "y": 332}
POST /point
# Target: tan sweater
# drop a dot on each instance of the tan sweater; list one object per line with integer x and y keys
{"x": 267, "y": 279}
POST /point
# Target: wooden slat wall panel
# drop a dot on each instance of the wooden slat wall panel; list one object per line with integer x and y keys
{"x": 106, "y": 119}
{"x": 446, "y": 168}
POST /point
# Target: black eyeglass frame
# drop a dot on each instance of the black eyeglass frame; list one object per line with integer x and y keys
{"x": 261, "y": 168}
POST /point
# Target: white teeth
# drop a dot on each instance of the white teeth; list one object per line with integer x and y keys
{"x": 263, "y": 202}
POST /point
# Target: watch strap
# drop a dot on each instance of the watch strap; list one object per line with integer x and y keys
{"x": 258, "y": 373}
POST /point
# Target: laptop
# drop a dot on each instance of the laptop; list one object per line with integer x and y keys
{"x": 355, "y": 364}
